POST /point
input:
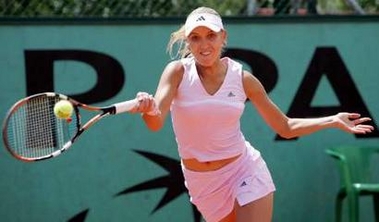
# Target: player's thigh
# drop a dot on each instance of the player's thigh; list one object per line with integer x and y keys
{"x": 230, "y": 218}
{"x": 257, "y": 211}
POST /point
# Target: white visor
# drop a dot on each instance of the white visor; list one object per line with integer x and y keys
{"x": 211, "y": 21}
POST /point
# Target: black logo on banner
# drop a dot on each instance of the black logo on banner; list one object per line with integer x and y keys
{"x": 40, "y": 72}
{"x": 327, "y": 62}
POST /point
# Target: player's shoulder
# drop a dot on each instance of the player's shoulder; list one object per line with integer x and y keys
{"x": 174, "y": 71}
{"x": 249, "y": 77}
{"x": 175, "y": 67}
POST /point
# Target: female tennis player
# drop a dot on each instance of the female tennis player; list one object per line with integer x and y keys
{"x": 226, "y": 177}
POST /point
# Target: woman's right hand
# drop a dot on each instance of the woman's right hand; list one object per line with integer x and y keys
{"x": 146, "y": 104}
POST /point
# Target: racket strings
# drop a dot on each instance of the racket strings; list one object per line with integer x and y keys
{"x": 34, "y": 131}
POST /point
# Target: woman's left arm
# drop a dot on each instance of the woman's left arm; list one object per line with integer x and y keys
{"x": 294, "y": 127}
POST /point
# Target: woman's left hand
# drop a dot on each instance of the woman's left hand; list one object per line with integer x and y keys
{"x": 352, "y": 123}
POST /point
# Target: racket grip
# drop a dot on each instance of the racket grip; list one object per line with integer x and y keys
{"x": 125, "y": 106}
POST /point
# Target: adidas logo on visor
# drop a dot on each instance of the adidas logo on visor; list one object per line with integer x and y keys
{"x": 201, "y": 18}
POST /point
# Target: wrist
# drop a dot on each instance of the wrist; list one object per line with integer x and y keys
{"x": 154, "y": 112}
{"x": 332, "y": 121}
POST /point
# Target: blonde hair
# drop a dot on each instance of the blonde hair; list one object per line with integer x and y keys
{"x": 178, "y": 37}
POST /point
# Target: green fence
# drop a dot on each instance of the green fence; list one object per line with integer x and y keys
{"x": 172, "y": 8}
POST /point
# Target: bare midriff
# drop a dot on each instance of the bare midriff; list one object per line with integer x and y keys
{"x": 195, "y": 165}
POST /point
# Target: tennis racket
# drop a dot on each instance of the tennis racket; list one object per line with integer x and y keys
{"x": 32, "y": 132}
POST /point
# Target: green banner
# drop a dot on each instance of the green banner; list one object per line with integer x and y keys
{"x": 121, "y": 171}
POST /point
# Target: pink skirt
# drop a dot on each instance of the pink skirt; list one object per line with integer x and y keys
{"x": 214, "y": 192}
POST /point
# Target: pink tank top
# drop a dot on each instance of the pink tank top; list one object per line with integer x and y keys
{"x": 207, "y": 127}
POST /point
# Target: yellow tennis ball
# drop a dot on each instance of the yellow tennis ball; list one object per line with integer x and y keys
{"x": 63, "y": 109}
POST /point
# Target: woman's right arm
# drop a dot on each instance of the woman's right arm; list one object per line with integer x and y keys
{"x": 165, "y": 93}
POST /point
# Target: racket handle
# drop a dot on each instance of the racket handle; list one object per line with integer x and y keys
{"x": 125, "y": 106}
